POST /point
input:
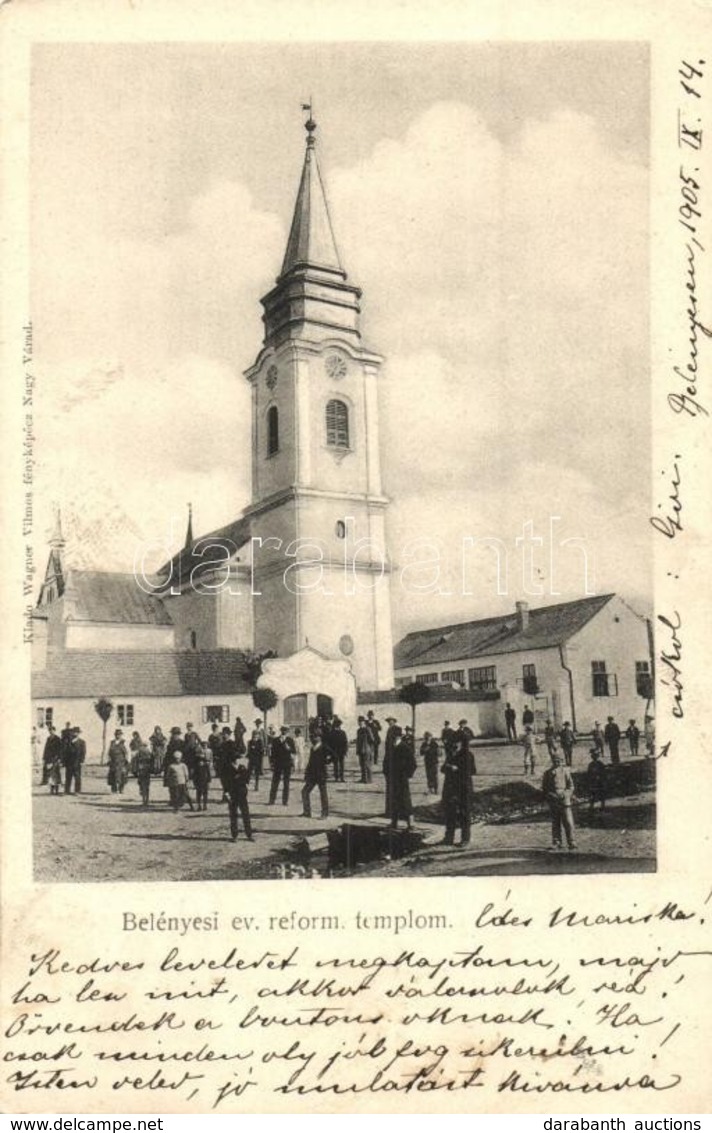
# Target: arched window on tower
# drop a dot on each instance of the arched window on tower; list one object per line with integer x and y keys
{"x": 337, "y": 424}
{"x": 272, "y": 430}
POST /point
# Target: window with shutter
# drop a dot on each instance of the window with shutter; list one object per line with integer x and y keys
{"x": 337, "y": 424}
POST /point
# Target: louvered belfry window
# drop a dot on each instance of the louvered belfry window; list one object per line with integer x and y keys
{"x": 337, "y": 424}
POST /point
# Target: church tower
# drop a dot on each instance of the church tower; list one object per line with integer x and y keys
{"x": 321, "y": 574}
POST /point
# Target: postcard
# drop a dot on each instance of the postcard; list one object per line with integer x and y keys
{"x": 357, "y": 532}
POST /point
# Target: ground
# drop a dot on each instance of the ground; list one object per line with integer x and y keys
{"x": 99, "y": 836}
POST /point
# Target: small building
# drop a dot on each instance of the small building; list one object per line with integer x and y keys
{"x": 579, "y": 661}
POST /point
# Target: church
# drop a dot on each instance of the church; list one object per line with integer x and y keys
{"x": 302, "y": 575}
{"x": 301, "y": 580}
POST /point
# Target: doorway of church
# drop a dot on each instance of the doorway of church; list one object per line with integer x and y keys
{"x": 324, "y": 706}
{"x": 295, "y": 712}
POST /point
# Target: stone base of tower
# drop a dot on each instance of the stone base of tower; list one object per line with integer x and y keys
{"x": 309, "y": 684}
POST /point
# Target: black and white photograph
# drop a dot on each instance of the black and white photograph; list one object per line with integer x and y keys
{"x": 356, "y": 545}
{"x": 342, "y": 460}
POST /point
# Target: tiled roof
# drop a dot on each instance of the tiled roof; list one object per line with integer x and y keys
{"x": 93, "y": 673}
{"x": 101, "y": 596}
{"x": 189, "y": 563}
{"x": 548, "y": 626}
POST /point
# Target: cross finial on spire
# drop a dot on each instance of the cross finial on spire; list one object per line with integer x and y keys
{"x": 310, "y": 124}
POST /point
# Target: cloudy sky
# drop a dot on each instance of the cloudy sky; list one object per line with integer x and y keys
{"x": 491, "y": 201}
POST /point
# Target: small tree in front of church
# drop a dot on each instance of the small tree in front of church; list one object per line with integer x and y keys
{"x": 103, "y": 709}
{"x": 414, "y": 694}
{"x": 264, "y": 700}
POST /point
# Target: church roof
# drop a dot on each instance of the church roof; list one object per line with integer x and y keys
{"x": 201, "y": 555}
{"x": 102, "y": 596}
{"x": 548, "y": 626}
{"x": 145, "y": 673}
{"x": 311, "y": 237}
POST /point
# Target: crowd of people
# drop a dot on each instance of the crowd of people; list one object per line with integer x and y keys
{"x": 240, "y": 759}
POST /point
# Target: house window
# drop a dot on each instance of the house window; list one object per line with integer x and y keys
{"x": 193, "y": 639}
{"x": 340, "y": 529}
{"x": 643, "y": 683}
{"x": 125, "y": 715}
{"x": 484, "y": 678}
{"x": 604, "y": 683}
{"x": 45, "y": 717}
{"x": 453, "y": 677}
{"x": 529, "y": 681}
{"x": 337, "y": 424}
{"x": 215, "y": 713}
{"x": 272, "y": 430}
{"x": 427, "y": 678}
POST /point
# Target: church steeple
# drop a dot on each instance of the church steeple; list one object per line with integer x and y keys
{"x": 312, "y": 299}
{"x": 54, "y": 579}
{"x": 311, "y": 237}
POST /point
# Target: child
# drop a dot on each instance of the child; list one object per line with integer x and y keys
{"x": 54, "y": 775}
{"x": 201, "y": 778}
{"x": 177, "y": 782}
{"x": 596, "y": 779}
{"x": 529, "y": 741}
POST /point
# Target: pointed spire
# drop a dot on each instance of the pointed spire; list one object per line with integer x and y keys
{"x": 57, "y": 538}
{"x": 54, "y": 582}
{"x": 189, "y": 533}
{"x": 311, "y": 237}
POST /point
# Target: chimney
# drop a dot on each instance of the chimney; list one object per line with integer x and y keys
{"x": 522, "y": 616}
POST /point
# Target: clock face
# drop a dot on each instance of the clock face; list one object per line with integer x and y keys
{"x": 272, "y": 375}
{"x": 346, "y": 644}
{"x": 335, "y": 366}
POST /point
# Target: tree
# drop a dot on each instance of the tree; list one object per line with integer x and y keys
{"x": 264, "y": 700}
{"x": 103, "y": 709}
{"x": 414, "y": 694}
{"x": 253, "y": 665}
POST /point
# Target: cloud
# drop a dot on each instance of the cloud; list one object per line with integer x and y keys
{"x": 502, "y": 280}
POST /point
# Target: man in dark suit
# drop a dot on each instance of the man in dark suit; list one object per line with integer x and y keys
{"x": 76, "y": 755}
{"x": 237, "y": 778}
{"x": 612, "y": 736}
{"x": 283, "y": 752}
{"x": 338, "y": 743}
{"x": 510, "y": 719}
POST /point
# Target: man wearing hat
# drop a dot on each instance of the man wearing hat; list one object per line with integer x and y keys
{"x": 375, "y": 728}
{"x": 463, "y": 739}
{"x": 365, "y": 749}
{"x": 393, "y": 734}
{"x": 596, "y": 779}
{"x": 612, "y": 735}
{"x": 558, "y": 788}
{"x": 75, "y": 757}
{"x": 338, "y": 743}
{"x": 256, "y": 747}
{"x": 283, "y": 752}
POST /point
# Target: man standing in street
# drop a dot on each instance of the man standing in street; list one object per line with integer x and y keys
{"x": 339, "y": 745}
{"x": 457, "y": 793}
{"x": 237, "y": 779}
{"x": 315, "y": 776}
{"x": 633, "y": 734}
{"x": 510, "y": 719}
{"x": 375, "y": 727}
{"x": 283, "y": 752}
{"x": 558, "y": 788}
{"x": 567, "y": 739}
{"x": 364, "y": 750}
{"x": 73, "y": 767}
{"x": 612, "y": 736}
